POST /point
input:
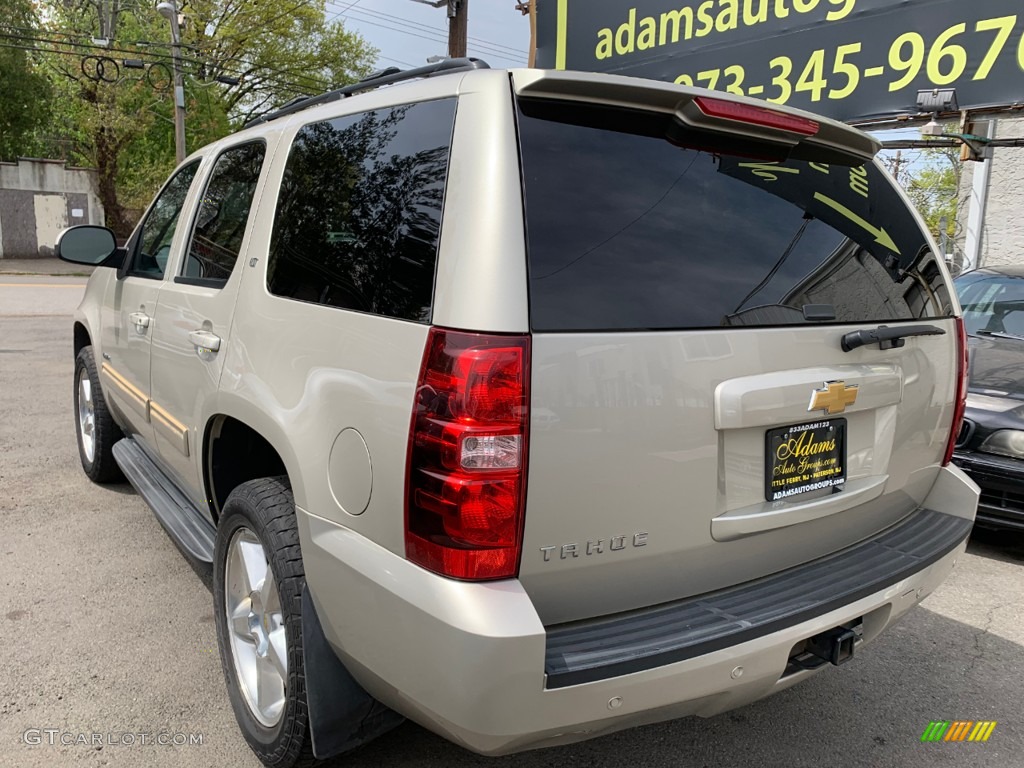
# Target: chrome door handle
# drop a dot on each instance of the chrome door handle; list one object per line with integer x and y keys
{"x": 204, "y": 341}
{"x": 141, "y": 322}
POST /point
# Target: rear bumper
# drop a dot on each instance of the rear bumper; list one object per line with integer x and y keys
{"x": 468, "y": 660}
{"x": 1002, "y": 488}
{"x": 585, "y": 651}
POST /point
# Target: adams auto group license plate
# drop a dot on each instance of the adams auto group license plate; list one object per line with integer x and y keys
{"x": 804, "y": 457}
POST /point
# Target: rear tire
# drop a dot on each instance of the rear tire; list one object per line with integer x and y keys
{"x": 94, "y": 425}
{"x": 258, "y": 579}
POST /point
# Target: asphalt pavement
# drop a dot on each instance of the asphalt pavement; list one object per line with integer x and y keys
{"x": 107, "y": 633}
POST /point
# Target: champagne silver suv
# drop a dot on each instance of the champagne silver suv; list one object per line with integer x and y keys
{"x": 529, "y": 405}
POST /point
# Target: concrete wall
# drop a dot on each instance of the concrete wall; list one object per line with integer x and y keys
{"x": 1002, "y": 233}
{"x": 39, "y": 198}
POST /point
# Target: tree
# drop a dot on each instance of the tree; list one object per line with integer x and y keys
{"x": 278, "y": 50}
{"x": 934, "y": 189}
{"x": 25, "y": 92}
{"x": 931, "y": 179}
{"x": 99, "y": 110}
{"x": 122, "y": 125}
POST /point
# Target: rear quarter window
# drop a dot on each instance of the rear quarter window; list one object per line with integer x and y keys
{"x": 359, "y": 213}
{"x": 627, "y": 230}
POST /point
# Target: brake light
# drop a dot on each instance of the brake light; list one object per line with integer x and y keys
{"x": 754, "y": 115}
{"x": 466, "y": 477}
{"x": 960, "y": 404}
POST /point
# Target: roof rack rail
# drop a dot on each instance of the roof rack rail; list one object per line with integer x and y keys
{"x": 374, "y": 80}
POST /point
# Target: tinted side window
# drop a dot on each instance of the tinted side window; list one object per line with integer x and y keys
{"x": 223, "y": 213}
{"x": 158, "y": 229}
{"x": 359, "y": 213}
{"x": 629, "y": 227}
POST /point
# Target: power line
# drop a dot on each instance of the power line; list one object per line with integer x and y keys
{"x": 427, "y": 32}
{"x": 251, "y": 68}
{"x": 398, "y": 61}
{"x": 394, "y": 19}
{"x": 315, "y": 81}
{"x": 496, "y": 49}
{"x": 482, "y": 41}
{"x": 152, "y": 58}
{"x": 342, "y": 12}
{"x": 93, "y": 46}
{"x": 495, "y": 54}
{"x": 393, "y": 29}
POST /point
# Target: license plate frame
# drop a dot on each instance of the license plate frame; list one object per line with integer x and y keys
{"x": 806, "y": 457}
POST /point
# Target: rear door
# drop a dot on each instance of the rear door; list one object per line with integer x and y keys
{"x": 195, "y": 310}
{"x": 697, "y": 422}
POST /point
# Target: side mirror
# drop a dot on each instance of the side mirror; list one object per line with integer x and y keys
{"x": 88, "y": 244}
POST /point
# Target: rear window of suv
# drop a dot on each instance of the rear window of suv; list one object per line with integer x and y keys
{"x": 628, "y": 230}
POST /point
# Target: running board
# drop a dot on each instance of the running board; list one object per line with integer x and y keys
{"x": 179, "y": 516}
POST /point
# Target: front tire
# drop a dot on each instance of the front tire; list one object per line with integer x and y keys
{"x": 258, "y": 580}
{"x": 94, "y": 424}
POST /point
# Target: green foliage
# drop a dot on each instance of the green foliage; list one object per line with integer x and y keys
{"x": 125, "y": 128}
{"x": 24, "y": 90}
{"x": 934, "y": 190}
{"x": 931, "y": 179}
{"x": 279, "y": 50}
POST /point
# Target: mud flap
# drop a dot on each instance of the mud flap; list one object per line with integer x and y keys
{"x": 342, "y": 716}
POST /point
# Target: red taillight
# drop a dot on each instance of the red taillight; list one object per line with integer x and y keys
{"x": 466, "y": 481}
{"x": 960, "y": 404}
{"x": 747, "y": 113}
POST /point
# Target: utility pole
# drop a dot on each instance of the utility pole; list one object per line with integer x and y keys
{"x": 529, "y": 8}
{"x": 107, "y": 12}
{"x": 976, "y": 218}
{"x": 170, "y": 12}
{"x": 458, "y": 24}
{"x": 896, "y": 165}
{"x": 458, "y": 28}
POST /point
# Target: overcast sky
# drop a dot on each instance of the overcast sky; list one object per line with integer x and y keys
{"x": 407, "y": 32}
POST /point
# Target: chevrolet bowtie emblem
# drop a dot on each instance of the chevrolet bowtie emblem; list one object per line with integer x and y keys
{"x": 833, "y": 397}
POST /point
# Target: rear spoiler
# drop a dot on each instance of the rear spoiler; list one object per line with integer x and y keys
{"x": 793, "y": 132}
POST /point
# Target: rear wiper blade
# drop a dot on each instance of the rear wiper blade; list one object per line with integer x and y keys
{"x": 887, "y": 337}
